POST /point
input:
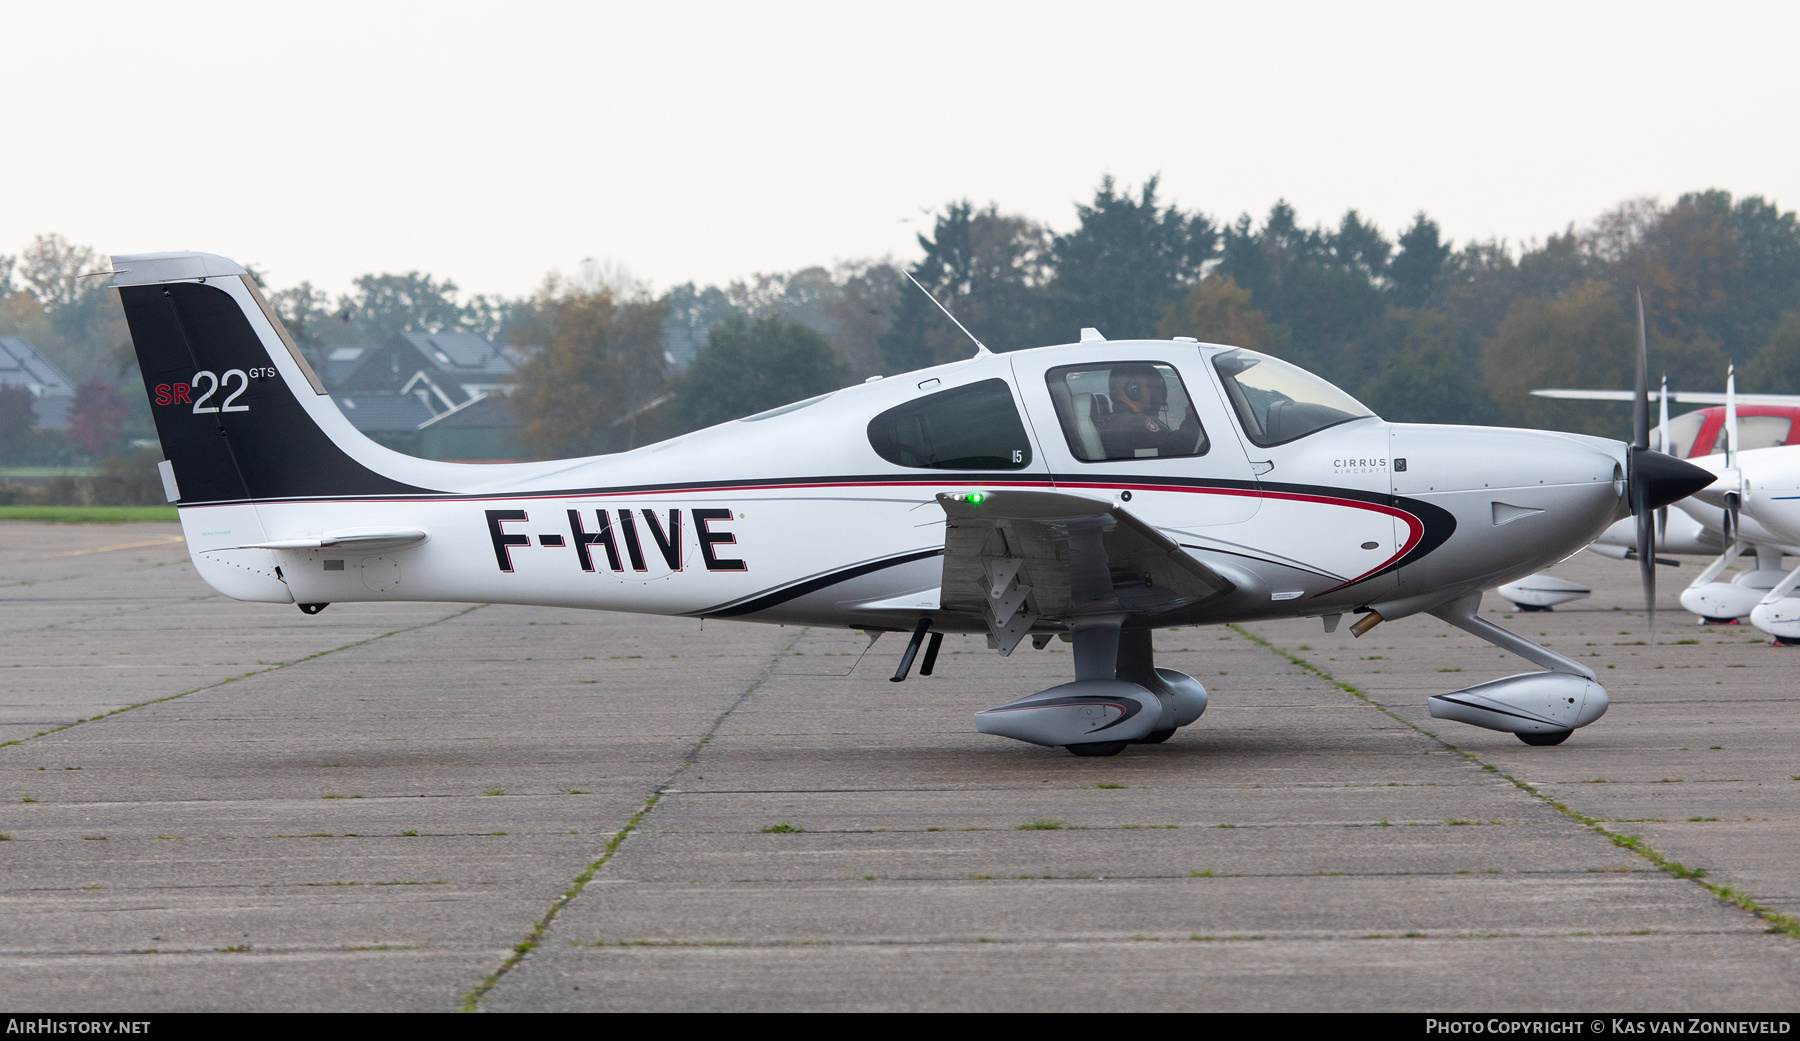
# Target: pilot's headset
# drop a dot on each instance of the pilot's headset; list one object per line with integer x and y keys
{"x": 1139, "y": 385}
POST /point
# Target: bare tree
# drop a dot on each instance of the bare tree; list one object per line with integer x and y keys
{"x": 597, "y": 360}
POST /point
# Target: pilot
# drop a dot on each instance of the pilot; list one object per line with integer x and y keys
{"x": 1139, "y": 424}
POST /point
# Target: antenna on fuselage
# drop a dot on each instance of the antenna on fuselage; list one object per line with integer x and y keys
{"x": 980, "y": 348}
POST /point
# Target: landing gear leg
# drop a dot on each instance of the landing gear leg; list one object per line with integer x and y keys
{"x": 1542, "y": 708}
{"x": 1177, "y": 691}
{"x": 1118, "y": 696}
{"x": 1716, "y": 602}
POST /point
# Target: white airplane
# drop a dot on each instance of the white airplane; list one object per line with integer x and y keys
{"x": 1693, "y": 527}
{"x": 1092, "y": 491}
{"x": 1757, "y": 489}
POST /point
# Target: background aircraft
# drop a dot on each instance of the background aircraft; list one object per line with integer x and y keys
{"x": 1093, "y": 491}
{"x": 1758, "y": 487}
{"x": 1693, "y": 527}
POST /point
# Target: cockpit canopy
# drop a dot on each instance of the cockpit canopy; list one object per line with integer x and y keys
{"x": 1277, "y": 402}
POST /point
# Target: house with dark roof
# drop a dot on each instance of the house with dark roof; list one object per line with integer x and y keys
{"x": 389, "y": 391}
{"x": 337, "y": 363}
{"x": 399, "y": 391}
{"x": 481, "y": 430}
{"x": 388, "y": 419}
{"x": 383, "y": 413}
{"x": 52, "y": 394}
{"x": 443, "y": 370}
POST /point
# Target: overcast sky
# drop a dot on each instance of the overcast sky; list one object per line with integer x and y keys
{"x": 493, "y": 142}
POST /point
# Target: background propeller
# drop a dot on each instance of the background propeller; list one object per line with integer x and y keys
{"x": 1653, "y": 479}
{"x": 1662, "y": 445}
{"x": 1732, "y": 478}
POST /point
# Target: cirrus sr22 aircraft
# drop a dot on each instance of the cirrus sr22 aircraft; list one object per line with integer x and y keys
{"x": 1093, "y": 491}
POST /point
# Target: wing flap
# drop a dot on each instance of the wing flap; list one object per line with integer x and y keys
{"x": 1059, "y": 557}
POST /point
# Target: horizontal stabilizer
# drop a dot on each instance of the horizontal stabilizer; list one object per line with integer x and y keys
{"x": 358, "y": 540}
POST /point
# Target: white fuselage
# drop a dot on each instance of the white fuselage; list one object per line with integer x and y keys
{"x": 795, "y": 518}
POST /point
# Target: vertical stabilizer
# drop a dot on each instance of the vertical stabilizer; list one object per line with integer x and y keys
{"x": 237, "y": 407}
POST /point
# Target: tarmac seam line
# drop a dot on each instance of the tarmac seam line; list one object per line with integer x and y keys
{"x": 1778, "y": 923}
{"x": 472, "y": 1000}
{"x": 277, "y": 667}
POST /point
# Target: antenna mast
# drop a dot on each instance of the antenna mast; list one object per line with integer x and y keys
{"x": 980, "y": 348}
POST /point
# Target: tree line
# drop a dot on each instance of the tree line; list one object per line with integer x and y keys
{"x": 1423, "y": 329}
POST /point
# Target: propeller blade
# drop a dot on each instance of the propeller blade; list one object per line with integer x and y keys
{"x": 1639, "y": 486}
{"x": 1731, "y": 420}
{"x": 1662, "y": 445}
{"x": 1662, "y": 426}
{"x": 1733, "y": 477}
{"x": 1640, "y": 415}
{"x": 1646, "y": 554}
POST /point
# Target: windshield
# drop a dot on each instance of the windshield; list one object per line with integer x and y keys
{"x": 1278, "y": 402}
{"x": 1753, "y": 432}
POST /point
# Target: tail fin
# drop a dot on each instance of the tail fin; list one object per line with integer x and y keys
{"x": 241, "y": 414}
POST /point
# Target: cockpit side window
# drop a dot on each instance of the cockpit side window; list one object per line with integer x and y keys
{"x": 976, "y": 427}
{"x": 1753, "y": 432}
{"x": 1278, "y": 402}
{"x": 1125, "y": 410}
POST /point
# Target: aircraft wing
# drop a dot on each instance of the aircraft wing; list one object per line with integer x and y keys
{"x": 1685, "y": 397}
{"x": 1018, "y": 556}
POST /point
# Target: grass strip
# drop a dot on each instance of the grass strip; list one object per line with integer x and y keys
{"x": 472, "y": 1000}
{"x": 1778, "y": 923}
{"x": 277, "y": 667}
{"x": 89, "y": 514}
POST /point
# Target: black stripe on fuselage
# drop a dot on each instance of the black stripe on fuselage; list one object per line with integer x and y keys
{"x": 746, "y": 484}
{"x": 1264, "y": 558}
{"x": 1122, "y": 482}
{"x": 781, "y": 595}
{"x": 1439, "y": 524}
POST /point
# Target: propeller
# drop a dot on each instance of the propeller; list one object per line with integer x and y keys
{"x": 1662, "y": 445}
{"x": 1653, "y": 479}
{"x": 1732, "y": 477}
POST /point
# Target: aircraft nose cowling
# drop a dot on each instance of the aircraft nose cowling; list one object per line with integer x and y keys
{"x": 1665, "y": 479}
